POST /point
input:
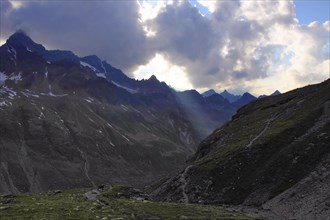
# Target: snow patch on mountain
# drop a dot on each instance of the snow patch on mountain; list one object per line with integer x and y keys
{"x": 41, "y": 115}
{"x": 87, "y": 100}
{"x": 3, "y": 103}
{"x": 87, "y": 65}
{"x": 28, "y": 94}
{"x": 124, "y": 108}
{"x": 16, "y": 77}
{"x": 125, "y": 138}
{"x": 103, "y": 67}
{"x": 133, "y": 91}
{"x": 52, "y": 94}
{"x": 12, "y": 51}
{"x": 3, "y": 78}
{"x": 5, "y": 90}
{"x": 102, "y": 75}
{"x": 6, "y": 94}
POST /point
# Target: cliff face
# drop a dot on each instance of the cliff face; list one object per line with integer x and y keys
{"x": 274, "y": 153}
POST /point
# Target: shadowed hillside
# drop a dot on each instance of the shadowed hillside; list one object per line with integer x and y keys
{"x": 274, "y": 154}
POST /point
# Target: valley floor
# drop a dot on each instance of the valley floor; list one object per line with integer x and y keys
{"x": 112, "y": 203}
{"x": 256, "y": 212}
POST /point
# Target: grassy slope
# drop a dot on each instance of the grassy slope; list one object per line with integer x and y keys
{"x": 274, "y": 159}
{"x": 269, "y": 146}
{"x": 72, "y": 205}
{"x": 285, "y": 112}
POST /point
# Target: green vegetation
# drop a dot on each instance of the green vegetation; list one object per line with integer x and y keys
{"x": 268, "y": 147}
{"x": 278, "y": 117}
{"x": 112, "y": 203}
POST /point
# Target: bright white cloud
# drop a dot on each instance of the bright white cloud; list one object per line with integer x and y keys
{"x": 268, "y": 12}
{"x": 2, "y": 41}
{"x": 307, "y": 62}
{"x": 209, "y": 4}
{"x": 150, "y": 9}
{"x": 16, "y": 4}
{"x": 244, "y": 45}
{"x": 173, "y": 75}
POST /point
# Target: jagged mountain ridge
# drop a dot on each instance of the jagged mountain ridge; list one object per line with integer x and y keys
{"x": 230, "y": 97}
{"x": 273, "y": 155}
{"x": 238, "y": 100}
{"x": 276, "y": 93}
{"x": 75, "y": 122}
{"x": 139, "y": 87}
{"x": 20, "y": 39}
{"x": 245, "y": 99}
{"x": 209, "y": 93}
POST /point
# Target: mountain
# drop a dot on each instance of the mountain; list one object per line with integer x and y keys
{"x": 217, "y": 99}
{"x": 208, "y": 93}
{"x": 276, "y": 93}
{"x": 272, "y": 157}
{"x": 273, "y": 94}
{"x": 230, "y": 97}
{"x": 262, "y": 96}
{"x": 245, "y": 99}
{"x": 204, "y": 113}
{"x": 69, "y": 121}
{"x": 20, "y": 40}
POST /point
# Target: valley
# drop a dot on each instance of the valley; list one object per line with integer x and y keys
{"x": 71, "y": 124}
{"x": 273, "y": 155}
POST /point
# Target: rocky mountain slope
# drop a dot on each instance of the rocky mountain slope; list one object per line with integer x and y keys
{"x": 274, "y": 154}
{"x": 68, "y": 121}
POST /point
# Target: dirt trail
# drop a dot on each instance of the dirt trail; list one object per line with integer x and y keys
{"x": 268, "y": 123}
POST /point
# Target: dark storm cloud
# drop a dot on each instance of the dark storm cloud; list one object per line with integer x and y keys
{"x": 182, "y": 31}
{"x": 233, "y": 45}
{"x": 198, "y": 43}
{"x": 110, "y": 29}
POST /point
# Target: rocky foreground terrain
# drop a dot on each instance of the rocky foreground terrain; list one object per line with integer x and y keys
{"x": 271, "y": 159}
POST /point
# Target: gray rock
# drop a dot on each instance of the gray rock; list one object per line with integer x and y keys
{"x": 4, "y": 207}
{"x": 57, "y": 191}
{"x": 91, "y": 195}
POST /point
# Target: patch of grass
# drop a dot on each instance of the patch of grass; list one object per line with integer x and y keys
{"x": 71, "y": 204}
{"x": 66, "y": 205}
{"x": 149, "y": 210}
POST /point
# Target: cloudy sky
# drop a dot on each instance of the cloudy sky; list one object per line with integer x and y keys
{"x": 255, "y": 46}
